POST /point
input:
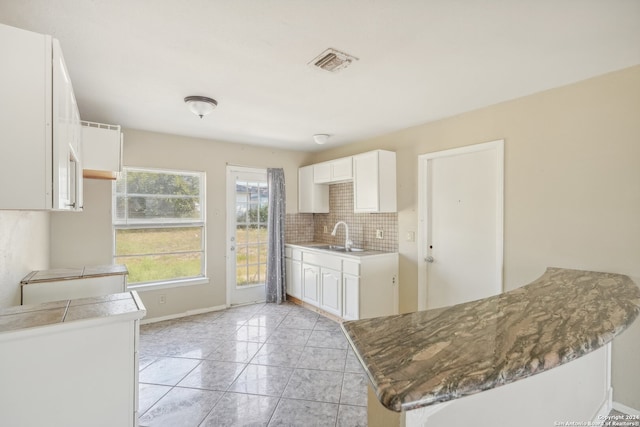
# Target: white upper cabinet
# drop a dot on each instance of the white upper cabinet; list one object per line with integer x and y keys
{"x": 40, "y": 136}
{"x": 374, "y": 182}
{"x": 102, "y": 150}
{"x": 338, "y": 170}
{"x": 312, "y": 197}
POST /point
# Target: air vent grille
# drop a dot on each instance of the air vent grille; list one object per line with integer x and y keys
{"x": 332, "y": 60}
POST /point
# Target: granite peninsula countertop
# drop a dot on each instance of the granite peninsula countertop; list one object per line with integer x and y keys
{"x": 422, "y": 358}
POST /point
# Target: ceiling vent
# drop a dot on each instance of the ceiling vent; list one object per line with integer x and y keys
{"x": 332, "y": 60}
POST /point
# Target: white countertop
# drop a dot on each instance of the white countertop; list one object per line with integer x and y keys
{"x": 25, "y": 317}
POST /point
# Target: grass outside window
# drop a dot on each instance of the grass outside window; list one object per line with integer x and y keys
{"x": 159, "y": 225}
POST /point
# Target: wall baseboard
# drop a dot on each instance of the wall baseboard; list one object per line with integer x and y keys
{"x": 605, "y": 408}
{"x": 183, "y": 314}
{"x": 625, "y": 409}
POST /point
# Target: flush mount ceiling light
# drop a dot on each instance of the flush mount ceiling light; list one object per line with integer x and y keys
{"x": 320, "y": 138}
{"x": 200, "y": 105}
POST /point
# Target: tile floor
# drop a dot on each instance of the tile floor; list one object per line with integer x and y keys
{"x": 257, "y": 365}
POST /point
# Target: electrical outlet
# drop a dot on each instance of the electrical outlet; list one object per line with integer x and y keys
{"x": 411, "y": 236}
{"x": 325, "y": 230}
{"x": 379, "y": 234}
{"x": 162, "y": 299}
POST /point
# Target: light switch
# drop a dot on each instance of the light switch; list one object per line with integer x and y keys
{"x": 411, "y": 236}
{"x": 379, "y": 234}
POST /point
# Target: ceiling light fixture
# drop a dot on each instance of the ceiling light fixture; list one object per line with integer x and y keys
{"x": 320, "y": 138}
{"x": 200, "y": 105}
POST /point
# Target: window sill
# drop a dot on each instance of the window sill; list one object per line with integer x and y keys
{"x": 169, "y": 284}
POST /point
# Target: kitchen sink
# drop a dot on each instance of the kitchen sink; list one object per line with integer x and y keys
{"x": 337, "y": 248}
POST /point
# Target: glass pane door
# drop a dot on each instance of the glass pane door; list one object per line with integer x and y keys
{"x": 248, "y": 205}
{"x": 251, "y": 231}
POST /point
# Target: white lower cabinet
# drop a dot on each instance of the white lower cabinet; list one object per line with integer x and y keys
{"x": 331, "y": 291}
{"x": 71, "y": 363}
{"x": 294, "y": 277}
{"x": 350, "y": 297}
{"x": 310, "y": 284}
{"x": 348, "y": 286}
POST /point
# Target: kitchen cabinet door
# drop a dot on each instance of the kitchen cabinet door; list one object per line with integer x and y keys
{"x": 331, "y": 291}
{"x": 339, "y": 170}
{"x": 39, "y": 119}
{"x": 374, "y": 182}
{"x": 322, "y": 173}
{"x": 67, "y": 169}
{"x": 294, "y": 277}
{"x": 351, "y": 297}
{"x": 342, "y": 169}
{"x": 312, "y": 197}
{"x": 310, "y": 284}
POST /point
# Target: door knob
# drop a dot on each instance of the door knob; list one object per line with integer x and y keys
{"x": 429, "y": 259}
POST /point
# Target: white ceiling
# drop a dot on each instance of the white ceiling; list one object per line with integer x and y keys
{"x": 133, "y": 61}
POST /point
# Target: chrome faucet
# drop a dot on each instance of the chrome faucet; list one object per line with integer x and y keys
{"x": 347, "y": 242}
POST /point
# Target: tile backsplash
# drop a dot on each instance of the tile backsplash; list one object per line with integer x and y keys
{"x": 298, "y": 228}
{"x": 302, "y": 228}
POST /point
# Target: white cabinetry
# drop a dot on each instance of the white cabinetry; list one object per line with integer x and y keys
{"x": 293, "y": 268}
{"x": 310, "y": 284}
{"x": 312, "y": 197}
{"x": 71, "y": 283}
{"x": 350, "y": 297}
{"x": 349, "y": 286}
{"x": 338, "y": 170}
{"x": 331, "y": 291}
{"x": 41, "y": 136}
{"x": 71, "y": 363}
{"x": 102, "y": 150}
{"x": 374, "y": 182}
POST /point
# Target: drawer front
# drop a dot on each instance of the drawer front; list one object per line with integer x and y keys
{"x": 351, "y": 267}
{"x": 327, "y": 261}
{"x": 292, "y": 253}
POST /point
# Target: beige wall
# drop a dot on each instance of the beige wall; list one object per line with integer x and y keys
{"x": 86, "y": 238}
{"x": 572, "y": 193}
{"x": 24, "y": 247}
{"x": 572, "y": 188}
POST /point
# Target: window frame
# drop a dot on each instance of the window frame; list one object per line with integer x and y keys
{"x": 133, "y": 224}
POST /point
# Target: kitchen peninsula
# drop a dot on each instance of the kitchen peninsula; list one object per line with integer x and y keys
{"x": 71, "y": 362}
{"x": 447, "y": 366}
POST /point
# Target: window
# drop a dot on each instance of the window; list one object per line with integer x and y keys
{"x": 159, "y": 226}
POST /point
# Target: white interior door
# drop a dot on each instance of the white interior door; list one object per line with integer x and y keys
{"x": 461, "y": 224}
{"x": 247, "y": 210}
